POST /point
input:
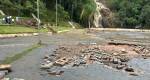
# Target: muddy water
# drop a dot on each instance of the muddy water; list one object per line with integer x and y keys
{"x": 101, "y": 72}
{"x": 141, "y": 64}
{"x": 96, "y": 72}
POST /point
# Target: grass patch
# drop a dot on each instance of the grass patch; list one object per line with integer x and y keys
{"x": 64, "y": 26}
{"x": 61, "y": 26}
{"x": 14, "y": 29}
{"x": 9, "y": 60}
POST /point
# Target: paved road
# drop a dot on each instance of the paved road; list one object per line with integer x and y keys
{"x": 28, "y": 66}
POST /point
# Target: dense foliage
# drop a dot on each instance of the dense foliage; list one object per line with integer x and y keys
{"x": 131, "y": 13}
{"x": 80, "y": 10}
{"x": 77, "y": 10}
{"x": 127, "y": 13}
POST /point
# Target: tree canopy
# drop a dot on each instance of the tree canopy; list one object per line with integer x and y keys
{"x": 128, "y": 13}
{"x": 77, "y": 10}
{"x": 131, "y": 13}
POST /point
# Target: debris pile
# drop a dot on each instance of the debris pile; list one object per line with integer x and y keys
{"x": 4, "y": 70}
{"x": 114, "y": 55}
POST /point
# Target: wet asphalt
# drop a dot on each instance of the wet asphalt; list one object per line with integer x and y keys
{"x": 28, "y": 67}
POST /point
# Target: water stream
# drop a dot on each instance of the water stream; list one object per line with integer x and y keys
{"x": 98, "y": 17}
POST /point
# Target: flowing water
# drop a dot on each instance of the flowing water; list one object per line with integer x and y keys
{"x": 98, "y": 15}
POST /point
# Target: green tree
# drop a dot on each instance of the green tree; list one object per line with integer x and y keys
{"x": 131, "y": 13}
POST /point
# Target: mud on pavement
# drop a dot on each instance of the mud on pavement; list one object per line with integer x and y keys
{"x": 112, "y": 55}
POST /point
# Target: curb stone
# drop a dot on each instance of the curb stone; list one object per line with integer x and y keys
{"x": 20, "y": 35}
{"x": 119, "y": 29}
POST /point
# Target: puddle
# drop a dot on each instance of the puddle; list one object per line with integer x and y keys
{"x": 96, "y": 72}
{"x": 142, "y": 64}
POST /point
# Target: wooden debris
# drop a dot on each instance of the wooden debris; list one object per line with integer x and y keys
{"x": 5, "y": 67}
{"x": 56, "y": 73}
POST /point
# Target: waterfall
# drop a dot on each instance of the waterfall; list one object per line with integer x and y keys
{"x": 100, "y": 15}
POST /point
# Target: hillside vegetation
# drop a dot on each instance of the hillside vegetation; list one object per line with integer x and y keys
{"x": 77, "y": 10}
{"x": 126, "y": 13}
{"x": 131, "y": 13}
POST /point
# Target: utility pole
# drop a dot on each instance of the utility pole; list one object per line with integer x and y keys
{"x": 56, "y": 12}
{"x": 72, "y": 12}
{"x": 38, "y": 20}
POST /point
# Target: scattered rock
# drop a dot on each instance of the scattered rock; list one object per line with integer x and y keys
{"x": 123, "y": 51}
{"x": 61, "y": 62}
{"x": 46, "y": 66}
{"x": 116, "y": 61}
{"x": 129, "y": 69}
{"x": 56, "y": 73}
{"x": 46, "y": 57}
{"x": 12, "y": 79}
{"x": 6, "y": 79}
{"x": 2, "y": 75}
{"x": 119, "y": 67}
{"x": 114, "y": 55}
{"x": 134, "y": 74}
{"x": 125, "y": 59}
{"x": 17, "y": 79}
{"x": 147, "y": 55}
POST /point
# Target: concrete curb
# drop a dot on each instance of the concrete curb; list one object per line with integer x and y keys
{"x": 119, "y": 29}
{"x": 20, "y": 35}
{"x": 63, "y": 31}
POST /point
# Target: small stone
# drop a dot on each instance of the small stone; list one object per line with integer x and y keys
{"x": 76, "y": 64}
{"x": 48, "y": 61}
{"x": 129, "y": 69}
{"x": 115, "y": 61}
{"x": 123, "y": 51}
{"x": 120, "y": 67}
{"x": 56, "y": 73}
{"x": 46, "y": 66}
{"x": 134, "y": 74}
{"x": 124, "y": 59}
{"x": 148, "y": 55}
{"x": 46, "y": 57}
{"x": 61, "y": 61}
{"x": 17, "y": 79}
{"x": 115, "y": 54}
{"x": 2, "y": 75}
{"x": 53, "y": 55}
{"x": 6, "y": 79}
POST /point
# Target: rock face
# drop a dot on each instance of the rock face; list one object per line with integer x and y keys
{"x": 101, "y": 17}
